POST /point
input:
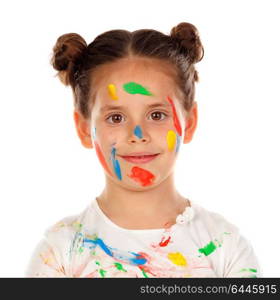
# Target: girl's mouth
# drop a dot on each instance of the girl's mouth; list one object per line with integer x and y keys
{"x": 141, "y": 159}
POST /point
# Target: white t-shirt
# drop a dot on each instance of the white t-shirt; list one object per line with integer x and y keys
{"x": 200, "y": 244}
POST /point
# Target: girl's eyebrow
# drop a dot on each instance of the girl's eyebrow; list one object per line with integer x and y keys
{"x": 115, "y": 107}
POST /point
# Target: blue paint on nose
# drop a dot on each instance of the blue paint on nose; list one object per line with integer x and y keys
{"x": 138, "y": 132}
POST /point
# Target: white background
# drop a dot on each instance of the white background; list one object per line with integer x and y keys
{"x": 231, "y": 166}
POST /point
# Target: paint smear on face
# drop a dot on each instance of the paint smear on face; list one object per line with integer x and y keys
{"x": 101, "y": 158}
{"x": 141, "y": 175}
{"x": 135, "y": 88}
{"x": 112, "y": 91}
{"x": 138, "y": 132}
{"x": 171, "y": 139}
{"x": 177, "y": 259}
{"x": 94, "y": 133}
{"x": 116, "y": 164}
{"x": 175, "y": 117}
{"x": 178, "y": 142}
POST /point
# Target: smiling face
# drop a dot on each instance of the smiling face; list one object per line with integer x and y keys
{"x": 137, "y": 122}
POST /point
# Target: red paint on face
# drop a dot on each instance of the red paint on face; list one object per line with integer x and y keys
{"x": 141, "y": 175}
{"x": 175, "y": 117}
{"x": 164, "y": 243}
{"x": 101, "y": 158}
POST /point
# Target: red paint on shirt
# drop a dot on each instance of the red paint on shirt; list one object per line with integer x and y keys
{"x": 164, "y": 243}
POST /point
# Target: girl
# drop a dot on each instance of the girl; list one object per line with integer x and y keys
{"x": 134, "y": 104}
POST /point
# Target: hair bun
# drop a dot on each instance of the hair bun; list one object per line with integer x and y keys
{"x": 188, "y": 37}
{"x": 66, "y": 52}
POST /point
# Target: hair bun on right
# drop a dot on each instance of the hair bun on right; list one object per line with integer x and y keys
{"x": 188, "y": 37}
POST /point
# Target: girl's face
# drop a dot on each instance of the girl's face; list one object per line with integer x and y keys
{"x": 137, "y": 122}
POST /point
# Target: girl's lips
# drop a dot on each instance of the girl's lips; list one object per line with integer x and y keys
{"x": 140, "y": 159}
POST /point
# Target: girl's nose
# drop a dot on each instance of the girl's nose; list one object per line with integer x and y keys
{"x": 138, "y": 136}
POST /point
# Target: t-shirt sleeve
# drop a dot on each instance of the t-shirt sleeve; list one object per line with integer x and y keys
{"x": 50, "y": 258}
{"x": 242, "y": 261}
{"x": 44, "y": 262}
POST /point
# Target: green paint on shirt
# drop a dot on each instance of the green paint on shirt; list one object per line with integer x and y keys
{"x": 135, "y": 88}
{"x": 145, "y": 274}
{"x": 249, "y": 269}
{"x": 208, "y": 249}
{"x": 120, "y": 267}
{"x": 102, "y": 272}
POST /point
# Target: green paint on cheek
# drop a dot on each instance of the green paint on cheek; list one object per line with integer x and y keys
{"x": 135, "y": 88}
{"x": 208, "y": 249}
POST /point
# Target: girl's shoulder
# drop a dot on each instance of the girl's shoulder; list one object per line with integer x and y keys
{"x": 211, "y": 219}
{"x": 66, "y": 228}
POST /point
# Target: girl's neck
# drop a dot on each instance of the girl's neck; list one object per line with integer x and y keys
{"x": 162, "y": 202}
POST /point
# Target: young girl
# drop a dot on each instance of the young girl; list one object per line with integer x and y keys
{"x": 134, "y": 104}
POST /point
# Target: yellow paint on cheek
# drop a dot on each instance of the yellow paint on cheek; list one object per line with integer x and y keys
{"x": 177, "y": 259}
{"x": 171, "y": 139}
{"x": 112, "y": 91}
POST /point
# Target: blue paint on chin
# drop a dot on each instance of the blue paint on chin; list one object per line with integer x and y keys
{"x": 138, "y": 132}
{"x": 116, "y": 164}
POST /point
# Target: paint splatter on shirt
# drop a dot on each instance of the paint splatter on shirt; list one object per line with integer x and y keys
{"x": 90, "y": 245}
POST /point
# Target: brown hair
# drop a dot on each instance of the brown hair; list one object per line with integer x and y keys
{"x": 75, "y": 61}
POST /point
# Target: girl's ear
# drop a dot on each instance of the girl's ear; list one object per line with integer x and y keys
{"x": 83, "y": 129}
{"x": 191, "y": 123}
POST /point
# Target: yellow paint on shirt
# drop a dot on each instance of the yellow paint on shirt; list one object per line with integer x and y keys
{"x": 112, "y": 91}
{"x": 177, "y": 259}
{"x": 171, "y": 139}
{"x": 47, "y": 258}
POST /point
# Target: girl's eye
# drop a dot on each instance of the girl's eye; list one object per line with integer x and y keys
{"x": 156, "y": 115}
{"x": 116, "y": 118}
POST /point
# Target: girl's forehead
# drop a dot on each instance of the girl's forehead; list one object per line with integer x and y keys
{"x": 150, "y": 85}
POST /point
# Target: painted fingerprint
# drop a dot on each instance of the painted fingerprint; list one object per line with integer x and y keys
{"x": 112, "y": 91}
{"x": 142, "y": 176}
{"x": 135, "y": 88}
